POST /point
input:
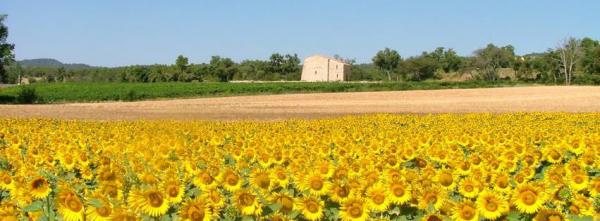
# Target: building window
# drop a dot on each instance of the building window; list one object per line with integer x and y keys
{"x": 315, "y": 72}
{"x": 336, "y": 66}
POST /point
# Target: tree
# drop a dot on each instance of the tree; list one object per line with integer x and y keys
{"x": 590, "y": 58}
{"x": 223, "y": 68}
{"x": 6, "y": 55}
{"x": 491, "y": 58}
{"x": 387, "y": 60}
{"x": 421, "y": 67}
{"x": 181, "y": 63}
{"x": 569, "y": 51}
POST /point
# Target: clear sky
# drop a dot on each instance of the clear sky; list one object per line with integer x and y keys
{"x": 123, "y": 32}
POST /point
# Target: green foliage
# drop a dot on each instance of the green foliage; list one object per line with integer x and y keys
{"x": 491, "y": 58}
{"x": 6, "y": 55}
{"x": 387, "y": 60}
{"x": 86, "y": 92}
{"x": 223, "y": 68}
{"x": 27, "y": 95}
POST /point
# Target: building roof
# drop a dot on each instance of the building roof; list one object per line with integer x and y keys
{"x": 328, "y": 57}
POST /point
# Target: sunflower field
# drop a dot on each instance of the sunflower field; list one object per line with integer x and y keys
{"x": 534, "y": 166}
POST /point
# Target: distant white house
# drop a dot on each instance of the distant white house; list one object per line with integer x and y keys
{"x": 323, "y": 68}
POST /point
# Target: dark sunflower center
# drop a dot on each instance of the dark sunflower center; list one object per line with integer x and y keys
{"x": 398, "y": 190}
{"x": 38, "y": 183}
{"x": 446, "y": 179}
{"x": 246, "y": 200}
{"x": 491, "y": 206}
{"x": 468, "y": 212}
{"x": 287, "y": 204}
{"x": 156, "y": 200}
{"x": 343, "y": 191}
{"x": 378, "y": 199}
{"x": 312, "y": 207}
{"x": 74, "y": 205}
{"x": 263, "y": 181}
{"x": 316, "y": 184}
{"x": 103, "y": 211}
{"x": 232, "y": 179}
{"x": 528, "y": 197}
{"x": 355, "y": 211}
{"x": 173, "y": 191}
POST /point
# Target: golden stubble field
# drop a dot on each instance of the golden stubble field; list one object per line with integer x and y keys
{"x": 318, "y": 105}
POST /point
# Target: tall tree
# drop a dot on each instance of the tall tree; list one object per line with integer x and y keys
{"x": 6, "y": 55}
{"x": 223, "y": 68}
{"x": 491, "y": 58}
{"x": 181, "y": 63}
{"x": 387, "y": 60}
{"x": 569, "y": 51}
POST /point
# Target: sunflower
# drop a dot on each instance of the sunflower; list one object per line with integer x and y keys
{"x": 316, "y": 184}
{"x": 261, "y": 179}
{"x": 283, "y": 199}
{"x": 8, "y": 212}
{"x": 549, "y": 215}
{"x": 400, "y": 192}
{"x": 151, "y": 202}
{"x": 231, "y": 180}
{"x": 7, "y": 182}
{"x": 446, "y": 179}
{"x": 339, "y": 192}
{"x": 469, "y": 188}
{"x": 247, "y": 203}
{"x": 594, "y": 187}
{"x": 174, "y": 190}
{"x": 528, "y": 198}
{"x": 39, "y": 188}
{"x": 204, "y": 180}
{"x": 69, "y": 205}
{"x": 581, "y": 206}
{"x": 578, "y": 180}
{"x": 377, "y": 197}
{"x": 101, "y": 212}
{"x": 215, "y": 200}
{"x": 465, "y": 211}
{"x": 280, "y": 177}
{"x": 433, "y": 217}
{"x": 276, "y": 216}
{"x": 501, "y": 183}
{"x": 354, "y": 209}
{"x": 553, "y": 154}
{"x": 311, "y": 207}
{"x": 491, "y": 205}
{"x": 111, "y": 190}
{"x": 432, "y": 196}
{"x": 195, "y": 210}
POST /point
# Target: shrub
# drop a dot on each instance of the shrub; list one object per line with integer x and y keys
{"x": 27, "y": 95}
{"x": 131, "y": 95}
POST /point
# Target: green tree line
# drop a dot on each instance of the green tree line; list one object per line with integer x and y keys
{"x": 573, "y": 60}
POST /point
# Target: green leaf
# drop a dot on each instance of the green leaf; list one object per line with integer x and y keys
{"x": 275, "y": 206}
{"x": 294, "y": 214}
{"x": 35, "y": 206}
{"x": 96, "y": 203}
{"x": 166, "y": 217}
{"x": 580, "y": 218}
{"x": 513, "y": 216}
{"x": 395, "y": 211}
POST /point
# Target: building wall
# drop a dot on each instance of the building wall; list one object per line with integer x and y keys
{"x": 319, "y": 68}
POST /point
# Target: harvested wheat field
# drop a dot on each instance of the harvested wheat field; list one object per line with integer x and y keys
{"x": 270, "y": 107}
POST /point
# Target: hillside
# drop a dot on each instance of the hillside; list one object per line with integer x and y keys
{"x": 50, "y": 62}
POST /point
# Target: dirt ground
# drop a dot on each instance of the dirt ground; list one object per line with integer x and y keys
{"x": 272, "y": 107}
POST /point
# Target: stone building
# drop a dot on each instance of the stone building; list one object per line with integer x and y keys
{"x": 323, "y": 68}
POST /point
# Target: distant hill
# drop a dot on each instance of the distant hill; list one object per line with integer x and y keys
{"x": 49, "y": 62}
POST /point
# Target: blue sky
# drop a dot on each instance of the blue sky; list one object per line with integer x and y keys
{"x": 118, "y": 32}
